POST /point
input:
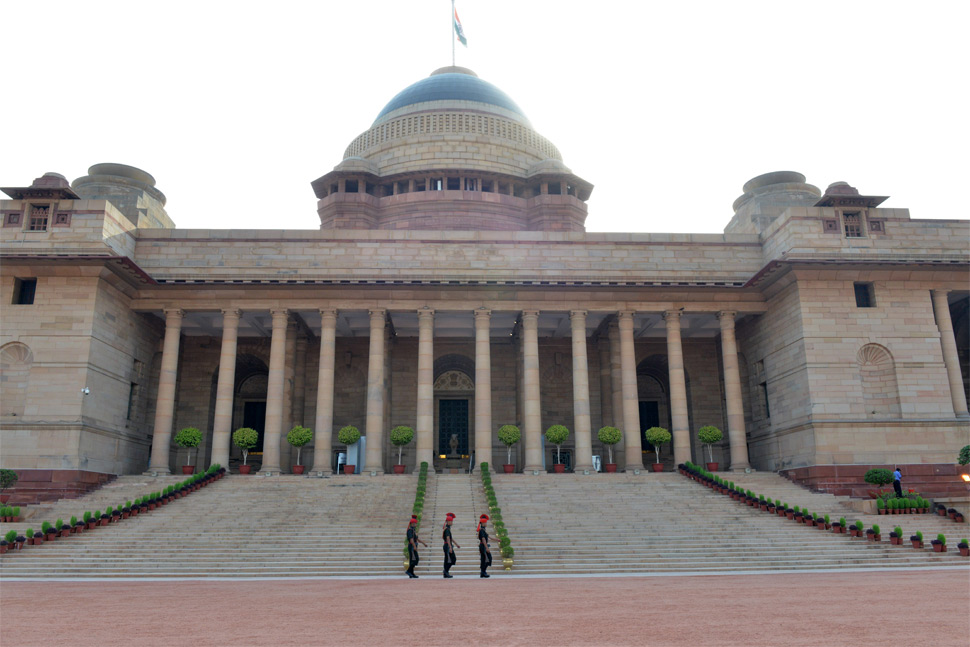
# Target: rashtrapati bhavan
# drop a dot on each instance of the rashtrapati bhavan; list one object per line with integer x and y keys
{"x": 452, "y": 287}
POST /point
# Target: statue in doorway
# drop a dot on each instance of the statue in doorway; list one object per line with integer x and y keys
{"x": 453, "y": 443}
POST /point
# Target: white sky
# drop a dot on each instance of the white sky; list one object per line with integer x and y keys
{"x": 666, "y": 107}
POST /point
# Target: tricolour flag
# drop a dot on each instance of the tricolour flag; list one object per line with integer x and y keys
{"x": 459, "y": 31}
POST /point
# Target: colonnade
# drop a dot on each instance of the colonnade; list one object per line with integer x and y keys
{"x": 621, "y": 377}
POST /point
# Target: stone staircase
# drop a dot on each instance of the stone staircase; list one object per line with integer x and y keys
{"x": 654, "y": 523}
{"x": 245, "y": 526}
{"x": 461, "y": 494}
{"x": 240, "y": 526}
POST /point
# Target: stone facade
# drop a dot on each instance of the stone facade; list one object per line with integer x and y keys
{"x": 459, "y": 290}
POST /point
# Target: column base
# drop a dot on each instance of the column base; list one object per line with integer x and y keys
{"x": 372, "y": 471}
{"x": 269, "y": 472}
{"x": 741, "y": 468}
{"x": 161, "y": 471}
{"x": 534, "y": 469}
{"x": 584, "y": 469}
{"x": 634, "y": 468}
{"x": 320, "y": 474}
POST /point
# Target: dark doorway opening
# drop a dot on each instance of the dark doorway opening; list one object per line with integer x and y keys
{"x": 452, "y": 419}
{"x": 254, "y": 417}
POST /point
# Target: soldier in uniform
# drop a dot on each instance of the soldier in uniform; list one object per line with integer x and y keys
{"x": 483, "y": 549}
{"x": 413, "y": 542}
{"x": 449, "y": 545}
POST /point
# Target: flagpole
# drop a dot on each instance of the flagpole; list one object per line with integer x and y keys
{"x": 450, "y": 30}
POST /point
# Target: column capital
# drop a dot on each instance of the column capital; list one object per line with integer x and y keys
{"x": 483, "y": 313}
{"x": 377, "y": 313}
{"x": 622, "y": 315}
{"x": 530, "y": 313}
{"x": 426, "y": 313}
{"x": 673, "y": 315}
{"x": 577, "y": 314}
{"x": 328, "y": 313}
{"x": 726, "y": 315}
{"x": 173, "y": 313}
{"x": 279, "y": 314}
{"x": 231, "y": 312}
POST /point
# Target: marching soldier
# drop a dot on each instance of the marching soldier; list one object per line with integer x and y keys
{"x": 449, "y": 545}
{"x": 483, "y": 549}
{"x": 413, "y": 542}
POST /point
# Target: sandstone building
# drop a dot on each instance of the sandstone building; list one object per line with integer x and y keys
{"x": 452, "y": 287}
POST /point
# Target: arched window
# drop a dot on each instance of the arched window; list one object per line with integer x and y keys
{"x": 15, "y": 362}
{"x": 877, "y": 371}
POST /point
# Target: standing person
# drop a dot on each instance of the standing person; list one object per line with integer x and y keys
{"x": 449, "y": 545}
{"x": 897, "y": 482}
{"x": 483, "y": 549}
{"x": 413, "y": 542}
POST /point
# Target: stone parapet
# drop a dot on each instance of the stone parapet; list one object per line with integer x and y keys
{"x": 930, "y": 480}
{"x": 38, "y": 486}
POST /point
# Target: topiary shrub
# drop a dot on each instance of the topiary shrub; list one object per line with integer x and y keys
{"x": 609, "y": 436}
{"x": 245, "y": 438}
{"x": 189, "y": 438}
{"x": 7, "y": 479}
{"x": 657, "y": 436}
{"x": 964, "y": 457}
{"x": 401, "y": 436}
{"x": 557, "y": 435}
{"x": 298, "y": 437}
{"x": 348, "y": 435}
{"x": 708, "y": 435}
{"x": 508, "y": 435}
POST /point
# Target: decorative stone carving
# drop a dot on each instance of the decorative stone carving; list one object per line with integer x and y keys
{"x": 454, "y": 381}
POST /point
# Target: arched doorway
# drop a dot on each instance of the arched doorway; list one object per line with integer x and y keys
{"x": 249, "y": 403}
{"x": 454, "y": 396}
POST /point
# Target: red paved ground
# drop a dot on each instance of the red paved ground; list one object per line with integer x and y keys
{"x": 888, "y": 608}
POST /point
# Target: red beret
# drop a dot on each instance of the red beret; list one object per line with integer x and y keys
{"x": 450, "y": 515}
{"x": 484, "y": 517}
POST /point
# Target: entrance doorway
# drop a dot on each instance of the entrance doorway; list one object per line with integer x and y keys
{"x": 452, "y": 420}
{"x": 649, "y": 417}
{"x": 254, "y": 417}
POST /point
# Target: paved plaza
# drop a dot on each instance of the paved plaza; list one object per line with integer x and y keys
{"x": 930, "y": 607}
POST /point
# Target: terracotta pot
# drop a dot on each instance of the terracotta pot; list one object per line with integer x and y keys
{"x": 896, "y": 541}
{"x": 558, "y": 468}
{"x": 510, "y": 469}
{"x": 188, "y": 469}
{"x": 398, "y": 469}
{"x": 939, "y": 548}
{"x": 917, "y": 543}
{"x": 820, "y": 524}
{"x": 298, "y": 469}
{"x": 965, "y": 552}
{"x": 712, "y": 467}
{"x": 245, "y": 469}
{"x": 941, "y": 512}
{"x": 65, "y": 533}
{"x": 349, "y": 469}
{"x": 3, "y": 548}
{"x": 36, "y": 540}
{"x": 657, "y": 467}
{"x": 92, "y": 524}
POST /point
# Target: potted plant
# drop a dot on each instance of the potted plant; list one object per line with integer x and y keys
{"x": 657, "y": 436}
{"x": 964, "y": 547}
{"x": 298, "y": 437}
{"x": 401, "y": 436}
{"x": 856, "y": 529}
{"x": 7, "y": 480}
{"x": 610, "y": 436}
{"x": 349, "y": 435}
{"x": 896, "y": 536}
{"x": 65, "y": 528}
{"x": 836, "y": 527}
{"x": 31, "y": 537}
{"x": 557, "y": 435}
{"x": 881, "y": 506}
{"x": 963, "y": 458}
{"x": 189, "y": 438}
{"x": 708, "y": 435}
{"x": 939, "y": 544}
{"x": 50, "y": 532}
{"x": 508, "y": 435}
{"x": 917, "y": 539}
{"x": 878, "y": 477}
{"x": 876, "y": 533}
{"x": 10, "y": 539}
{"x": 245, "y": 438}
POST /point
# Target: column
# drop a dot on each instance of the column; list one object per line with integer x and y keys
{"x": 425, "y": 406}
{"x": 165, "y": 402}
{"x": 951, "y": 360}
{"x": 222, "y": 423}
{"x": 274, "y": 395}
{"x": 678, "y": 388}
{"x": 532, "y": 414}
{"x": 483, "y": 388}
{"x": 374, "y": 428}
{"x": 287, "y": 453}
{"x": 323, "y": 423}
{"x": 732, "y": 392}
{"x": 299, "y": 381}
{"x": 606, "y": 395}
{"x": 616, "y": 389}
{"x": 584, "y": 439}
{"x": 631, "y": 399}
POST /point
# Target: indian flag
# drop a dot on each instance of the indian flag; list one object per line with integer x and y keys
{"x": 459, "y": 31}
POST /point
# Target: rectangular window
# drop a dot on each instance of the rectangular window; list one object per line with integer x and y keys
{"x": 11, "y": 220}
{"x": 23, "y": 291}
{"x": 437, "y": 184}
{"x": 39, "y": 215}
{"x": 131, "y": 400}
{"x": 853, "y": 225}
{"x": 350, "y": 186}
{"x": 471, "y": 184}
{"x": 764, "y": 392}
{"x": 454, "y": 184}
{"x": 865, "y": 296}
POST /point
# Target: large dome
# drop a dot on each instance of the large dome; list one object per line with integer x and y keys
{"x": 452, "y": 84}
